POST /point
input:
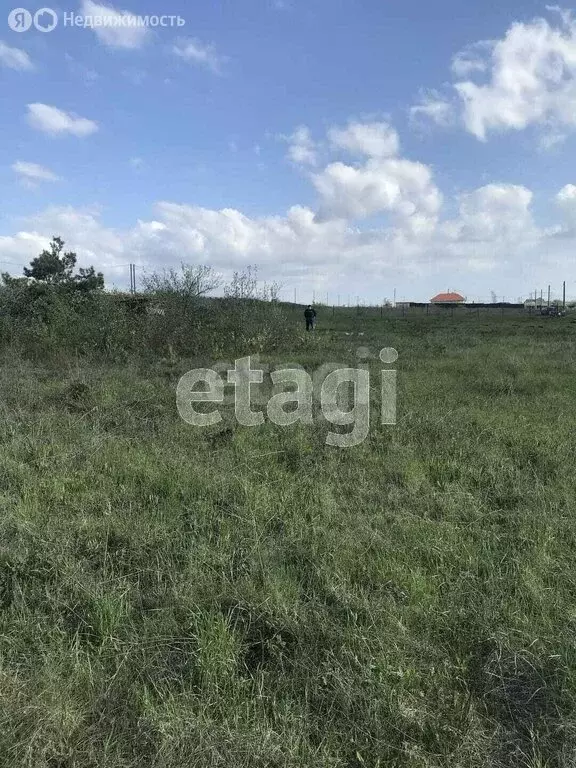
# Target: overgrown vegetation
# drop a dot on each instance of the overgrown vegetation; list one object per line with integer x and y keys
{"x": 51, "y": 312}
{"x": 176, "y": 597}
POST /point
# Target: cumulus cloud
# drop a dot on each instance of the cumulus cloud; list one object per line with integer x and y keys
{"x": 383, "y": 183}
{"x": 195, "y": 51}
{"x": 82, "y": 229}
{"x": 567, "y": 195}
{"x": 127, "y": 36}
{"x": 22, "y": 246}
{"x": 566, "y": 202}
{"x": 527, "y": 78}
{"x": 496, "y": 213}
{"x": 371, "y": 139}
{"x": 14, "y": 58}
{"x": 55, "y": 122}
{"x": 32, "y": 173}
{"x": 493, "y": 227}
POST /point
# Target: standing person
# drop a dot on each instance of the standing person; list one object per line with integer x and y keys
{"x": 310, "y": 315}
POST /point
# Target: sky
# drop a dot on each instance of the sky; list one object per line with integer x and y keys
{"x": 349, "y": 149}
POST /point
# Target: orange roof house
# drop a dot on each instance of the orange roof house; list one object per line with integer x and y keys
{"x": 448, "y": 298}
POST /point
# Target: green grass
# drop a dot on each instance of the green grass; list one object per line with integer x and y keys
{"x": 175, "y": 597}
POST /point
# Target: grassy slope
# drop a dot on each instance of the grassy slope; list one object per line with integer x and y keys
{"x": 251, "y": 597}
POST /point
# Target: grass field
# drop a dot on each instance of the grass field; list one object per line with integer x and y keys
{"x": 177, "y": 598}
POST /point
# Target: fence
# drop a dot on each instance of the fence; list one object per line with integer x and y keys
{"x": 415, "y": 311}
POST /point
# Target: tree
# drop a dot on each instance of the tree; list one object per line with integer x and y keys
{"x": 49, "y": 278}
{"x": 56, "y": 266}
{"x": 52, "y": 266}
{"x": 191, "y": 282}
{"x": 244, "y": 285}
{"x": 88, "y": 280}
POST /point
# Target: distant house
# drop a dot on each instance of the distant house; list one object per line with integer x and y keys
{"x": 448, "y": 299}
{"x": 537, "y": 303}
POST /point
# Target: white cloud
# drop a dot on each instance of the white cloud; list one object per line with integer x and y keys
{"x": 567, "y": 194}
{"x": 474, "y": 58}
{"x": 55, "y": 121}
{"x": 495, "y": 213}
{"x": 432, "y": 108}
{"x": 82, "y": 230}
{"x": 14, "y": 58}
{"x": 195, "y": 51}
{"x": 127, "y": 36}
{"x": 302, "y": 149}
{"x": 22, "y": 247}
{"x": 397, "y": 186}
{"x": 493, "y": 229}
{"x": 527, "y": 78}
{"x": 32, "y": 173}
{"x": 371, "y": 139}
{"x": 566, "y": 201}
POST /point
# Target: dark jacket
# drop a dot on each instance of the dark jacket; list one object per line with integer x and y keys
{"x": 309, "y": 314}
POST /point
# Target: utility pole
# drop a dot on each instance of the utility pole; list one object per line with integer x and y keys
{"x": 295, "y": 302}
{"x": 548, "y": 297}
{"x": 394, "y": 298}
{"x": 132, "y": 278}
{"x": 564, "y": 295}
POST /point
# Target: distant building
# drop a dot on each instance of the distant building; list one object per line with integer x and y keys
{"x": 537, "y": 303}
{"x": 448, "y": 298}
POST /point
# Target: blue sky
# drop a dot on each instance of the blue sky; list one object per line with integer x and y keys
{"x": 342, "y": 147}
